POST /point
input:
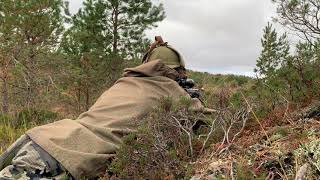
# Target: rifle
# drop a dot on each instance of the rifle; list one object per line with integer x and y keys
{"x": 187, "y": 85}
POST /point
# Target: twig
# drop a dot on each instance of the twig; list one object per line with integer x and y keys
{"x": 270, "y": 176}
{"x": 187, "y": 132}
{"x": 284, "y": 172}
{"x": 233, "y": 172}
{"x": 244, "y": 119}
{"x": 287, "y": 106}
{"x": 255, "y": 117}
{"x": 209, "y": 135}
{"x": 244, "y": 122}
{"x": 229, "y": 128}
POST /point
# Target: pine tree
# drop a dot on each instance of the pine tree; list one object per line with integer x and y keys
{"x": 281, "y": 73}
{"x": 120, "y": 24}
{"x": 36, "y": 28}
{"x": 274, "y": 53}
{"x": 101, "y": 36}
{"x": 128, "y": 19}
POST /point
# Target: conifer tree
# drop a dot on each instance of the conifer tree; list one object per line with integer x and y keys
{"x": 274, "y": 53}
{"x": 128, "y": 19}
{"x": 36, "y": 27}
{"x": 102, "y": 34}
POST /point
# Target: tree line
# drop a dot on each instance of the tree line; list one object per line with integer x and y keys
{"x": 50, "y": 58}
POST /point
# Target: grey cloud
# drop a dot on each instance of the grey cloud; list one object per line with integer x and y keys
{"x": 75, "y": 5}
{"x": 217, "y": 36}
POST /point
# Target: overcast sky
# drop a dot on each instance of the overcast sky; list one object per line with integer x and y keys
{"x": 216, "y": 36}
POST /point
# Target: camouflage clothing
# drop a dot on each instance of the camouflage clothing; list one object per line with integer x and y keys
{"x": 30, "y": 162}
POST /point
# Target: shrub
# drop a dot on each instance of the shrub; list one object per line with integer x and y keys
{"x": 164, "y": 145}
{"x": 170, "y": 139}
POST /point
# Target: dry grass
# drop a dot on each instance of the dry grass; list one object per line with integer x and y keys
{"x": 8, "y": 135}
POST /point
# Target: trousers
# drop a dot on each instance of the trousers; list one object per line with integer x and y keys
{"x": 26, "y": 160}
